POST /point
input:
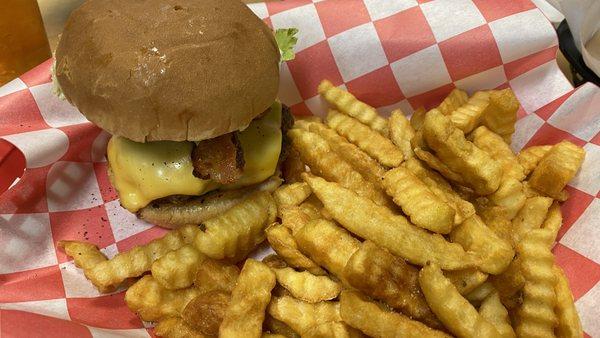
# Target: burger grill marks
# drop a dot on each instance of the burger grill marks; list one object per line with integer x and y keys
{"x": 220, "y": 159}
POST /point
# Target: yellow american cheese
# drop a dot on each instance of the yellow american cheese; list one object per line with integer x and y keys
{"x": 143, "y": 172}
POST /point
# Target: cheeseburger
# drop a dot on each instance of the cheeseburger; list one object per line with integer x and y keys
{"x": 188, "y": 89}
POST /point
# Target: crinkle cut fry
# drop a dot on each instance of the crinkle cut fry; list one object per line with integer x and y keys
{"x": 177, "y": 269}
{"x": 108, "y": 274}
{"x": 501, "y": 115}
{"x": 175, "y": 327}
{"x": 283, "y": 243}
{"x": 569, "y": 324}
{"x": 453, "y": 101}
{"x": 468, "y": 116}
{"x": 401, "y": 133}
{"x": 531, "y": 156}
{"x": 302, "y": 316}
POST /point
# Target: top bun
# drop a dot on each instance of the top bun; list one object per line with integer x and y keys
{"x": 176, "y": 70}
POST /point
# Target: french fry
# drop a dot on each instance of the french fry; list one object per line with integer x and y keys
{"x": 350, "y": 105}
{"x": 438, "y": 185}
{"x": 510, "y": 196}
{"x": 530, "y": 217}
{"x": 418, "y": 141}
{"x": 569, "y": 324}
{"x": 371, "y": 142}
{"x": 315, "y": 151}
{"x": 496, "y": 218}
{"x": 271, "y": 335}
{"x": 292, "y": 167}
{"x": 175, "y": 327}
{"x": 436, "y": 164}
{"x": 401, "y": 133}
{"x": 478, "y": 170}
{"x": 177, "y": 269}
{"x": 494, "y": 145}
{"x": 509, "y": 284}
{"x": 557, "y": 168}
{"x": 424, "y": 208}
{"x": 205, "y": 312}
{"x": 283, "y": 243}
{"x": 106, "y": 275}
{"x": 302, "y": 316}
{"x": 236, "y": 232}
{"x": 306, "y": 286}
{"x": 86, "y": 256}
{"x": 369, "y": 168}
{"x": 468, "y": 116}
{"x": 152, "y": 302}
{"x": 480, "y": 293}
{"x": 416, "y": 119}
{"x": 315, "y": 240}
{"x": 553, "y": 223}
{"x": 387, "y": 229}
{"x": 530, "y": 157}
{"x": 376, "y": 322}
{"x": 536, "y": 317}
{"x": 453, "y": 101}
{"x": 332, "y": 330}
{"x": 501, "y": 115}
{"x": 379, "y": 274}
{"x": 493, "y": 311}
{"x": 291, "y": 194}
{"x": 246, "y": 310}
{"x": 457, "y": 314}
{"x": 466, "y": 280}
{"x": 295, "y": 218}
{"x": 495, "y": 253}
{"x": 278, "y": 327}
{"x": 213, "y": 275}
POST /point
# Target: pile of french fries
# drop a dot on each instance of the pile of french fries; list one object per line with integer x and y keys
{"x": 428, "y": 227}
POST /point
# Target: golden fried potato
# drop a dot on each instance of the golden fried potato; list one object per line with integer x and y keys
{"x": 373, "y": 143}
{"x": 278, "y": 327}
{"x": 306, "y": 286}
{"x": 530, "y": 157}
{"x": 417, "y": 141}
{"x": 86, "y": 256}
{"x": 453, "y": 101}
{"x": 401, "y": 133}
{"x": 478, "y": 170}
{"x": 175, "y": 327}
{"x": 302, "y": 316}
{"x": 213, "y": 275}
{"x": 272, "y": 335}
{"x": 501, "y": 114}
{"x": 380, "y": 275}
{"x": 530, "y": 217}
{"x": 316, "y": 240}
{"x": 283, "y": 243}
{"x": 536, "y": 317}
{"x": 332, "y": 330}
{"x": 493, "y": 311}
{"x": 317, "y": 154}
{"x": 457, "y": 314}
{"x": 553, "y": 223}
{"x": 350, "y": 105}
{"x": 495, "y": 253}
{"x": 496, "y": 218}
{"x": 177, "y": 269}
{"x": 151, "y": 301}
{"x": 295, "y": 218}
{"x": 417, "y": 118}
{"x": 494, "y": 145}
{"x": 510, "y": 196}
{"x": 442, "y": 189}
{"x": 236, "y": 232}
{"x": 291, "y": 194}
{"x": 557, "y": 168}
{"x": 480, "y": 293}
{"x": 436, "y": 164}
{"x": 249, "y": 299}
{"x": 393, "y": 232}
{"x": 466, "y": 280}
{"x": 292, "y": 167}
{"x": 569, "y": 324}
{"x": 106, "y": 275}
{"x": 205, "y": 312}
{"x": 419, "y": 203}
{"x": 509, "y": 284}
{"x": 468, "y": 116}
{"x": 368, "y": 167}
{"x": 376, "y": 322}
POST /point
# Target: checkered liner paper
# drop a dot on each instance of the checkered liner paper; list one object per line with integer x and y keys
{"x": 391, "y": 54}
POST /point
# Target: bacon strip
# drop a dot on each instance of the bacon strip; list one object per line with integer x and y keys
{"x": 220, "y": 159}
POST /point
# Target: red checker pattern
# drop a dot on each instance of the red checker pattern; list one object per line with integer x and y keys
{"x": 275, "y": 7}
{"x": 378, "y": 88}
{"x": 37, "y": 284}
{"x": 475, "y": 44}
{"x": 529, "y": 62}
{"x": 38, "y": 75}
{"x": 320, "y": 59}
{"x": 494, "y": 10}
{"x": 548, "y": 134}
{"x": 81, "y": 137}
{"x": 105, "y": 311}
{"x": 28, "y": 195}
{"x": 414, "y": 35}
{"x": 300, "y": 109}
{"x": 546, "y": 111}
{"x": 573, "y": 208}
{"x": 108, "y": 192}
{"x": 12, "y": 324}
{"x": 582, "y": 273}
{"x": 333, "y": 23}
{"x": 431, "y": 98}
{"x": 90, "y": 225}
{"x": 20, "y": 113}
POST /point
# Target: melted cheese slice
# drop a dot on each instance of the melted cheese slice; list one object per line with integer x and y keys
{"x": 143, "y": 172}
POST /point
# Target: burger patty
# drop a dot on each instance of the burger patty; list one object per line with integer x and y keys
{"x": 221, "y": 158}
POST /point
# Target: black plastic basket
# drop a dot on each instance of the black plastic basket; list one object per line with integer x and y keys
{"x": 581, "y": 73}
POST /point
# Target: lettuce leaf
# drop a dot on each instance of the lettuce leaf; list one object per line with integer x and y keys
{"x": 286, "y": 40}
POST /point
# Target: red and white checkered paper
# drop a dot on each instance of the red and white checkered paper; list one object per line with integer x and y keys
{"x": 401, "y": 53}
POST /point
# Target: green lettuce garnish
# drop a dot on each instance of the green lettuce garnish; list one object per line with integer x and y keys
{"x": 286, "y": 40}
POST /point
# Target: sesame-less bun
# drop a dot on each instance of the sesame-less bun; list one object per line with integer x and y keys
{"x": 168, "y": 69}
